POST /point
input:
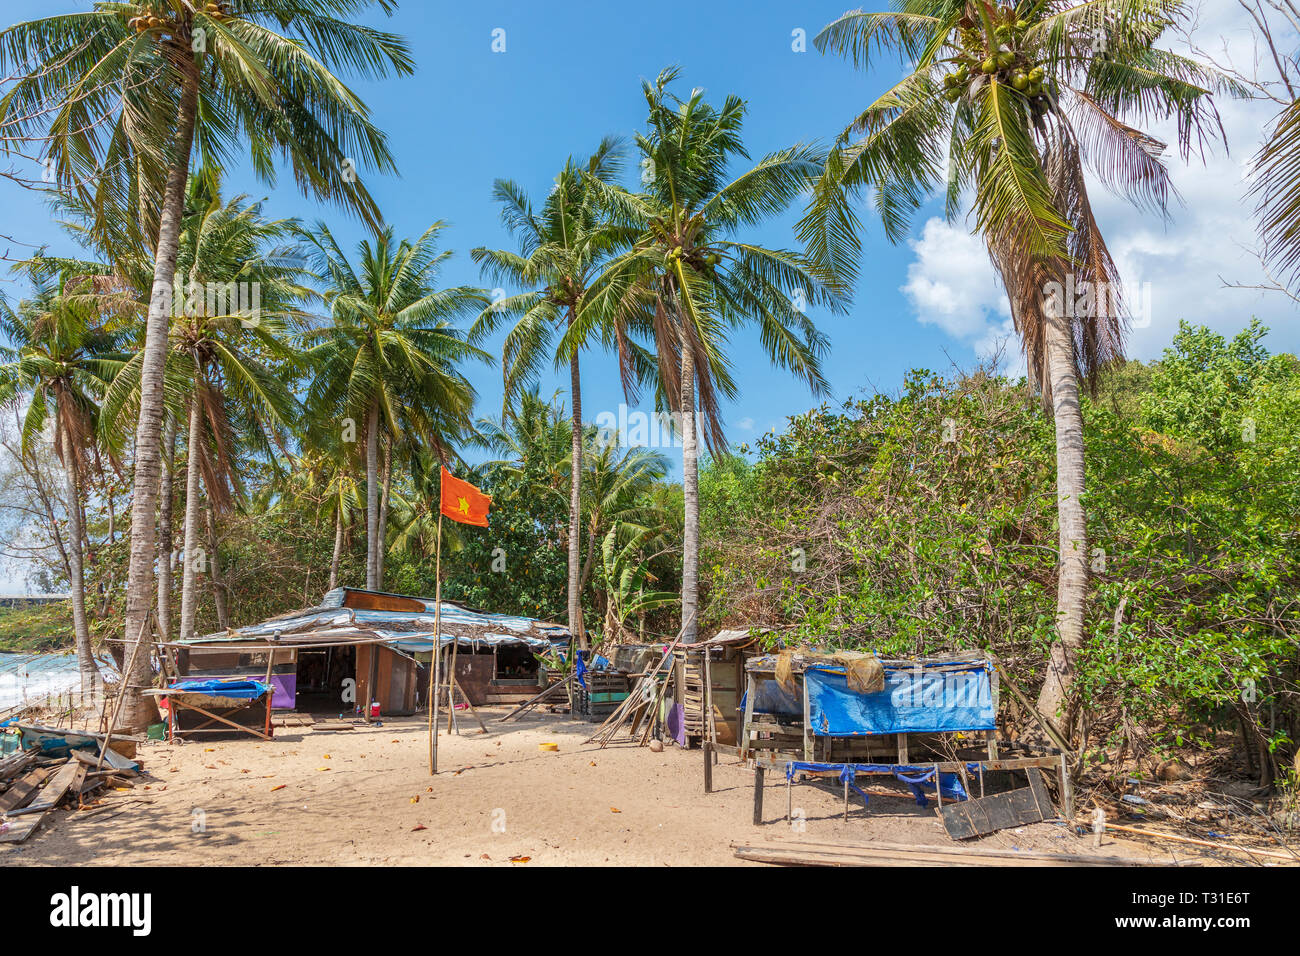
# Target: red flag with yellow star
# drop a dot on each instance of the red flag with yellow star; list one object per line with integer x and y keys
{"x": 462, "y": 502}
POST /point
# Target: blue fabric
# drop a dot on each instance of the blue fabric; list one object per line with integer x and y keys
{"x": 950, "y": 783}
{"x": 580, "y": 669}
{"x": 238, "y": 689}
{"x": 913, "y": 701}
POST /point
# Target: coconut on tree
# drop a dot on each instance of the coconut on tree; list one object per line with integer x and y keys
{"x": 1004, "y": 109}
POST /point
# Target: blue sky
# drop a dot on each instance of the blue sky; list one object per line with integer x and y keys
{"x": 571, "y": 73}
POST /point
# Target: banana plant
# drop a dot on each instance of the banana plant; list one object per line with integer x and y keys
{"x": 626, "y": 574}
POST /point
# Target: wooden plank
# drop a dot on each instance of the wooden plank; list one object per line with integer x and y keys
{"x": 894, "y": 854}
{"x": 965, "y": 819}
{"x": 20, "y": 830}
{"x": 21, "y": 793}
{"x": 68, "y": 777}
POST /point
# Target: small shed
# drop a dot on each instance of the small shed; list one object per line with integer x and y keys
{"x": 709, "y": 686}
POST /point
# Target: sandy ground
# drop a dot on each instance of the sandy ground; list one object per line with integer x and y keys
{"x": 365, "y": 797}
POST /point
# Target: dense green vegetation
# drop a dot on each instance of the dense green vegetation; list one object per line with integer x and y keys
{"x": 36, "y": 629}
{"x": 917, "y": 523}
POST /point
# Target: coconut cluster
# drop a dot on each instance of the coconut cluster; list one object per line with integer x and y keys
{"x": 999, "y": 56}
{"x": 151, "y": 20}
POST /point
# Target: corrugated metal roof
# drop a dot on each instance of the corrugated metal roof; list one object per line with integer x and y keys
{"x": 331, "y": 620}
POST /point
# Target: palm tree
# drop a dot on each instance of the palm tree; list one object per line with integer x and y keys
{"x": 1020, "y": 98}
{"x": 124, "y": 95}
{"x": 691, "y": 276}
{"x": 61, "y": 358}
{"x": 561, "y": 249}
{"x": 222, "y": 349}
{"x": 388, "y": 358}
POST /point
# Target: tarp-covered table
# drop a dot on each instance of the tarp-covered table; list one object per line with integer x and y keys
{"x": 219, "y": 701}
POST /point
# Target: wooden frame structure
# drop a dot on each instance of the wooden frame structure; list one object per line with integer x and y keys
{"x": 768, "y": 742}
{"x": 217, "y": 710}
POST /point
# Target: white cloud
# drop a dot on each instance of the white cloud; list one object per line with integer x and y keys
{"x": 745, "y": 424}
{"x": 951, "y": 283}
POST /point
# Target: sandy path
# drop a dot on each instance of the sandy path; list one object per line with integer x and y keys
{"x": 312, "y": 797}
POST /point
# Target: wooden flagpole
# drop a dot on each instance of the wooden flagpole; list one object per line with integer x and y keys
{"x": 437, "y": 643}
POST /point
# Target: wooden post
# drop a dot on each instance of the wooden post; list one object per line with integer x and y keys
{"x": 758, "y": 795}
{"x": 749, "y": 715}
{"x": 437, "y": 642}
{"x": 902, "y": 748}
{"x": 1067, "y": 791}
{"x": 707, "y": 697}
{"x": 708, "y": 766}
{"x": 121, "y": 694}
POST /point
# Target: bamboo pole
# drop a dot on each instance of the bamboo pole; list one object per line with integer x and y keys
{"x": 437, "y": 643}
{"x": 1206, "y": 843}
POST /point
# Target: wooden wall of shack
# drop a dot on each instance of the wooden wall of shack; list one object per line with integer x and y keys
{"x": 395, "y": 679}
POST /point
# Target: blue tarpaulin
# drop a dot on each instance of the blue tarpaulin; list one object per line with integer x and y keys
{"x": 916, "y": 778}
{"x": 238, "y": 689}
{"x": 914, "y": 700}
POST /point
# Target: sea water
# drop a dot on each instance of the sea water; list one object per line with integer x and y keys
{"x": 32, "y": 677}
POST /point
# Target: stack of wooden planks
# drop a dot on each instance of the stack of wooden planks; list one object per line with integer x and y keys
{"x": 32, "y": 786}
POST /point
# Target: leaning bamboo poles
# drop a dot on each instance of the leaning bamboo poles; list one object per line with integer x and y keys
{"x": 643, "y": 692}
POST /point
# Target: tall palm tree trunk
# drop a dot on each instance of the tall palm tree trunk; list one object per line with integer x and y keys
{"x": 372, "y": 498}
{"x": 1072, "y": 567}
{"x": 691, "y": 497}
{"x": 384, "y": 498}
{"x": 77, "y": 580}
{"x": 189, "y": 572}
{"x": 165, "y": 544}
{"x": 214, "y": 569}
{"x": 575, "y": 504}
{"x": 338, "y": 547}
{"x": 138, "y": 710}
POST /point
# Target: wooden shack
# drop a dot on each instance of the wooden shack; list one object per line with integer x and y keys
{"x": 358, "y": 648}
{"x": 709, "y": 683}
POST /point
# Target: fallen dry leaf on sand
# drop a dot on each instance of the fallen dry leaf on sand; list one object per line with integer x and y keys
{"x": 418, "y": 826}
{"x": 416, "y": 798}
{"x": 615, "y": 810}
{"x": 278, "y": 786}
{"x": 520, "y": 859}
